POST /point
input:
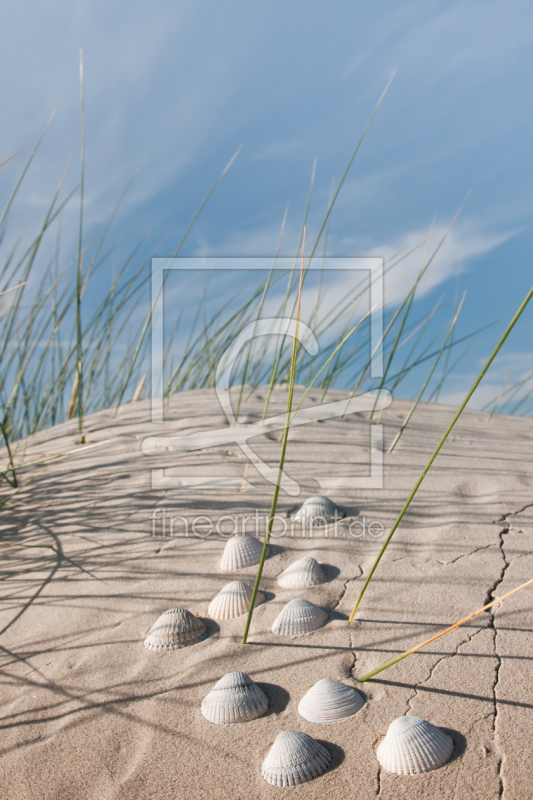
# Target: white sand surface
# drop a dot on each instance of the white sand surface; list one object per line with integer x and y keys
{"x": 87, "y": 713}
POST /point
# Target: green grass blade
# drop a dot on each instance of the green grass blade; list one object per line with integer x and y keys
{"x": 412, "y": 410}
{"x": 281, "y": 460}
{"x": 79, "y": 285}
{"x": 441, "y": 443}
{"x": 259, "y": 310}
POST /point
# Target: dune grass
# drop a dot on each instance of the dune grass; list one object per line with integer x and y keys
{"x": 64, "y": 355}
{"x": 437, "y": 450}
{"x": 40, "y": 359}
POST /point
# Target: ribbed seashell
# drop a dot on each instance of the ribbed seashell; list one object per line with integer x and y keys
{"x": 233, "y": 600}
{"x": 319, "y": 510}
{"x": 241, "y": 551}
{"x": 330, "y": 701}
{"x": 299, "y": 617}
{"x": 174, "y": 629}
{"x": 235, "y": 698}
{"x": 413, "y": 746}
{"x": 304, "y": 572}
{"x": 294, "y": 758}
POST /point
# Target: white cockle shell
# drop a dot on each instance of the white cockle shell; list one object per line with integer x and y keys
{"x": 233, "y": 600}
{"x": 330, "y": 701}
{"x": 174, "y": 629}
{"x": 304, "y": 572}
{"x": 241, "y": 551}
{"x": 413, "y": 746}
{"x": 235, "y": 698}
{"x": 294, "y": 758}
{"x": 319, "y": 510}
{"x": 299, "y": 617}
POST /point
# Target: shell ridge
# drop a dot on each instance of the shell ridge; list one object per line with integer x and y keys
{"x": 318, "y": 507}
{"x": 233, "y": 600}
{"x": 294, "y": 758}
{"x": 413, "y": 746}
{"x": 234, "y": 698}
{"x": 330, "y": 701}
{"x": 241, "y": 551}
{"x": 304, "y": 572}
{"x": 174, "y": 629}
{"x": 298, "y": 617}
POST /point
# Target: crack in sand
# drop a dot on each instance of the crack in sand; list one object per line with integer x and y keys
{"x": 465, "y": 555}
{"x": 505, "y": 529}
{"x": 354, "y": 659}
{"x": 380, "y": 768}
{"x": 345, "y": 586}
{"x": 490, "y": 596}
{"x": 435, "y": 665}
{"x": 395, "y": 560}
{"x": 503, "y": 518}
{"x": 343, "y": 592}
{"x": 479, "y": 719}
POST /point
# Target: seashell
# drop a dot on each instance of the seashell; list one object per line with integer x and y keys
{"x": 235, "y": 698}
{"x": 304, "y": 572}
{"x": 330, "y": 701}
{"x": 413, "y": 746}
{"x": 299, "y": 617}
{"x": 174, "y": 629}
{"x": 294, "y": 758}
{"x": 241, "y": 551}
{"x": 318, "y": 510}
{"x": 233, "y": 600}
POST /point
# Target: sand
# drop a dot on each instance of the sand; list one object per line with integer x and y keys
{"x": 87, "y": 712}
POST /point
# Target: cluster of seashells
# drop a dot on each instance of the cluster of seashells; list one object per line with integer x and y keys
{"x": 295, "y": 757}
{"x": 179, "y": 628}
{"x": 411, "y": 746}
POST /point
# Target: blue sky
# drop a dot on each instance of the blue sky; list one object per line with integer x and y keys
{"x": 178, "y": 86}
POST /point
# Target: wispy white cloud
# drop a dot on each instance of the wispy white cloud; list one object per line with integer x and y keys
{"x": 465, "y": 242}
{"x": 462, "y": 244}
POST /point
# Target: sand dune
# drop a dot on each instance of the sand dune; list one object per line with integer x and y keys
{"x": 88, "y": 713}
